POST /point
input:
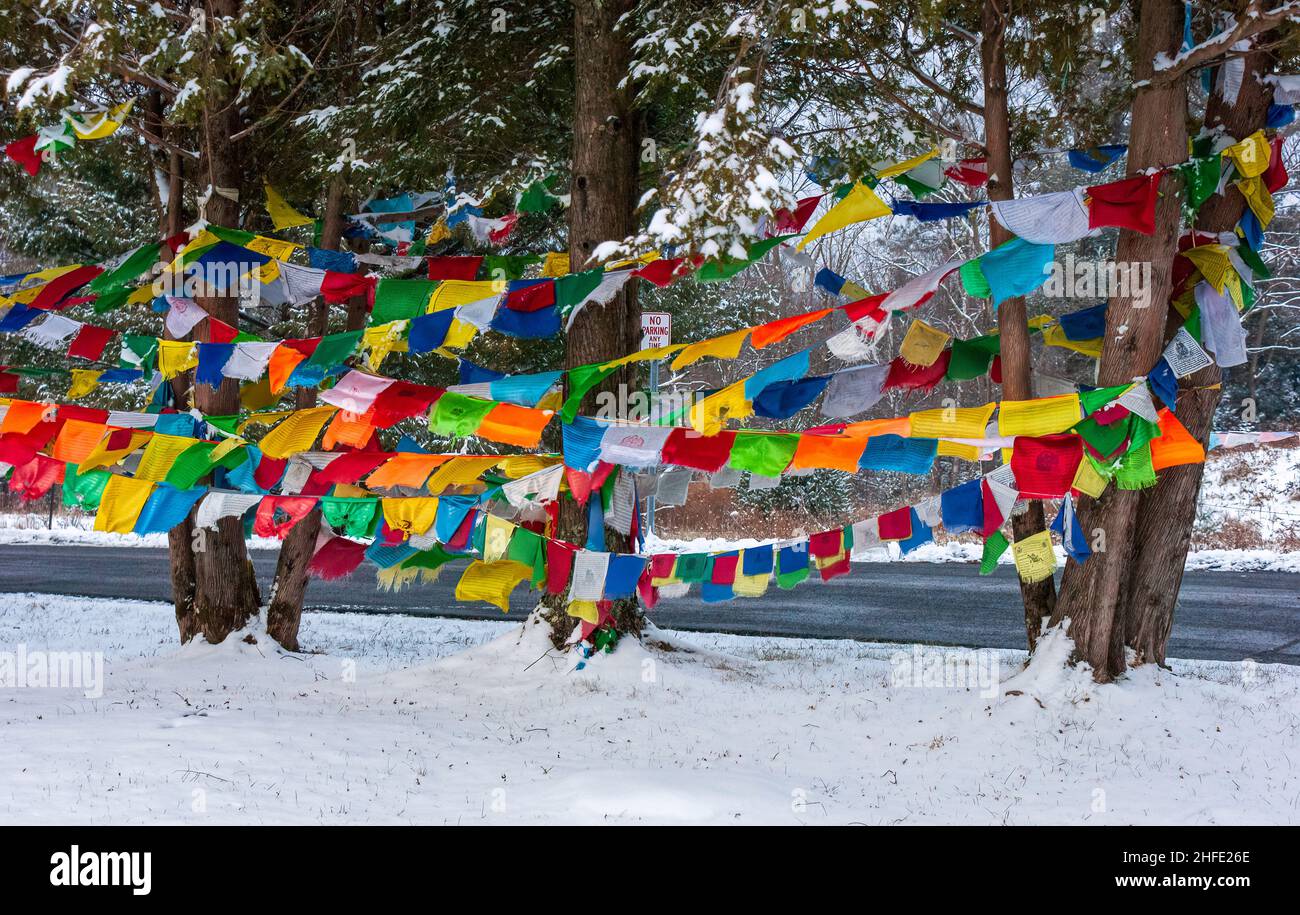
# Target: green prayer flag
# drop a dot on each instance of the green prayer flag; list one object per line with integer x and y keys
{"x": 139, "y": 262}
{"x": 508, "y": 266}
{"x": 919, "y": 189}
{"x": 690, "y": 567}
{"x": 973, "y": 281}
{"x": 535, "y": 199}
{"x": 1135, "y": 469}
{"x": 762, "y": 453}
{"x": 717, "y": 271}
{"x": 191, "y": 465}
{"x": 334, "y": 348}
{"x": 458, "y": 415}
{"x": 111, "y": 299}
{"x": 572, "y": 288}
{"x": 787, "y": 580}
{"x": 1105, "y": 440}
{"x": 1201, "y": 177}
{"x": 84, "y": 490}
{"x": 145, "y": 349}
{"x": 968, "y": 360}
{"x": 355, "y": 518}
{"x": 994, "y": 546}
{"x": 581, "y": 380}
{"x": 1094, "y": 400}
{"x": 396, "y": 300}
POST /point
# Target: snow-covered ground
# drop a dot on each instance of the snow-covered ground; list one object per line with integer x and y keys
{"x": 420, "y": 720}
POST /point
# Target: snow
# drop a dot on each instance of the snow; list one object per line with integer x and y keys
{"x": 420, "y": 720}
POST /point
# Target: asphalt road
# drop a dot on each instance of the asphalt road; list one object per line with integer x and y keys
{"x": 1221, "y": 615}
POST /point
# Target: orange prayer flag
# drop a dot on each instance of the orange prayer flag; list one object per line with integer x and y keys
{"x": 283, "y": 361}
{"x": 350, "y": 429}
{"x": 76, "y": 440}
{"x": 514, "y": 425}
{"x": 1175, "y": 445}
{"x": 23, "y": 416}
{"x": 897, "y": 425}
{"x": 776, "y": 331}
{"x": 405, "y": 469}
{"x": 832, "y": 452}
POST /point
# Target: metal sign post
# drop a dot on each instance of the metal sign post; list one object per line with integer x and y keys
{"x": 656, "y": 330}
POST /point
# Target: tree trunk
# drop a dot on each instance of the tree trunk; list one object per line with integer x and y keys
{"x": 1094, "y": 596}
{"x": 1038, "y": 598}
{"x": 180, "y": 539}
{"x": 606, "y": 134}
{"x": 1167, "y": 512}
{"x": 284, "y": 614}
{"x": 226, "y": 594}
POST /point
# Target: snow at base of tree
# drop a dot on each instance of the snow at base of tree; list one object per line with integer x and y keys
{"x": 419, "y": 720}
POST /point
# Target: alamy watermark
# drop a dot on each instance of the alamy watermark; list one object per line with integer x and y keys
{"x": 1081, "y": 278}
{"x": 27, "y": 669}
{"x": 934, "y": 668}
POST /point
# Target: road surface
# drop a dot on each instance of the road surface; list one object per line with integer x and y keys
{"x": 1221, "y": 615}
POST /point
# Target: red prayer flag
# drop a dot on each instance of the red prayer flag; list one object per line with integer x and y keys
{"x": 268, "y": 471}
{"x": 559, "y": 566}
{"x": 53, "y": 293}
{"x": 337, "y": 288}
{"x": 454, "y": 268}
{"x": 532, "y": 298}
{"x": 1275, "y": 176}
{"x": 24, "y": 153}
{"x": 1127, "y": 204}
{"x": 687, "y": 448}
{"x": 788, "y": 222}
{"x": 90, "y": 342}
{"x": 1045, "y": 466}
{"x": 916, "y": 378}
{"x": 992, "y": 513}
{"x": 826, "y": 543}
{"x": 276, "y": 515}
{"x": 724, "y": 570}
{"x": 970, "y": 172}
{"x": 336, "y": 558}
{"x": 897, "y": 525}
{"x": 835, "y": 570}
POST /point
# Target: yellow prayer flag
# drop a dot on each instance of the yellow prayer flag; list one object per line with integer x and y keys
{"x": 1258, "y": 198}
{"x": 119, "y": 507}
{"x": 646, "y": 355}
{"x": 411, "y": 516}
{"x": 1034, "y": 556}
{"x": 750, "y": 585}
{"x": 275, "y": 248}
{"x": 1087, "y": 480}
{"x": 104, "y": 456}
{"x": 859, "y": 205}
{"x": 176, "y": 356}
{"x": 556, "y": 264}
{"x": 585, "y": 610}
{"x": 492, "y": 581}
{"x": 923, "y": 344}
{"x": 907, "y": 165}
{"x": 1213, "y": 262}
{"x": 1054, "y": 335}
{"x": 460, "y": 471}
{"x": 496, "y": 538}
{"x": 257, "y": 395}
{"x": 160, "y": 454}
{"x": 958, "y": 450}
{"x": 459, "y": 334}
{"x": 382, "y": 339}
{"x": 83, "y": 382}
{"x": 708, "y": 415}
{"x": 283, "y": 216}
{"x": 521, "y": 465}
{"x": 297, "y": 433}
{"x": 1250, "y": 155}
{"x": 454, "y": 293}
{"x": 1042, "y": 416}
{"x": 438, "y": 232}
{"x": 951, "y": 422}
{"x": 101, "y": 124}
{"x": 725, "y": 347}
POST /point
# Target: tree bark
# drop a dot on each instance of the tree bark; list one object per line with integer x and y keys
{"x": 289, "y": 590}
{"x": 606, "y": 134}
{"x": 1093, "y": 596}
{"x": 1038, "y": 598}
{"x": 1167, "y": 512}
{"x": 226, "y": 594}
{"x": 180, "y": 539}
